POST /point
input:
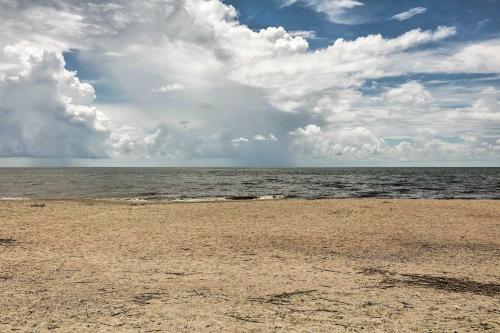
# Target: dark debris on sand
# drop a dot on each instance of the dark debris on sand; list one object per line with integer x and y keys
{"x": 450, "y": 284}
{"x": 7, "y": 241}
{"x": 282, "y": 298}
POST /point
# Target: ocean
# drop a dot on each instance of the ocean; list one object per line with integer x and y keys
{"x": 191, "y": 184}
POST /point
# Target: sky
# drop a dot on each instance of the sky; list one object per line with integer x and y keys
{"x": 274, "y": 83}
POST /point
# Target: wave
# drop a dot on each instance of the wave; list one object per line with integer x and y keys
{"x": 209, "y": 199}
{"x": 230, "y": 198}
{"x": 272, "y": 197}
{"x": 13, "y": 198}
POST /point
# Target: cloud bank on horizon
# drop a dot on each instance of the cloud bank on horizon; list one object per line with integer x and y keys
{"x": 197, "y": 82}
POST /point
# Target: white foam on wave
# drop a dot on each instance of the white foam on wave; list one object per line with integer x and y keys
{"x": 136, "y": 200}
{"x": 202, "y": 199}
{"x": 122, "y": 199}
{"x": 271, "y": 197}
{"x": 213, "y": 199}
{"x": 12, "y": 199}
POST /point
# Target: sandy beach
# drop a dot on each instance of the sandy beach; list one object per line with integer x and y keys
{"x": 250, "y": 266}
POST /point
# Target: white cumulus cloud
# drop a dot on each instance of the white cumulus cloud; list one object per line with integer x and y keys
{"x": 357, "y": 142}
{"x": 45, "y": 111}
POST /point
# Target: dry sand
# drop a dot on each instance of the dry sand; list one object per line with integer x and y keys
{"x": 280, "y": 266}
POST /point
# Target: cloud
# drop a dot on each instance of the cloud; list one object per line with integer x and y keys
{"x": 411, "y": 93}
{"x": 485, "y": 108}
{"x": 295, "y": 80}
{"x": 335, "y": 10}
{"x": 468, "y": 147}
{"x": 116, "y": 38}
{"x": 238, "y": 141}
{"x": 306, "y": 34}
{"x": 404, "y": 123}
{"x": 355, "y": 99}
{"x": 260, "y": 137}
{"x": 169, "y": 88}
{"x": 360, "y": 143}
{"x": 409, "y": 14}
{"x": 357, "y": 142}
{"x": 45, "y": 110}
{"x": 171, "y": 142}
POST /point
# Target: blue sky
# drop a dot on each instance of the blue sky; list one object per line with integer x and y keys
{"x": 474, "y": 19}
{"x": 250, "y": 83}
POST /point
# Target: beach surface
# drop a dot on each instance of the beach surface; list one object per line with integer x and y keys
{"x": 360, "y": 265}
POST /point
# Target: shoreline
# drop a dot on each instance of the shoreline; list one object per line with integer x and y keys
{"x": 224, "y": 199}
{"x": 341, "y": 265}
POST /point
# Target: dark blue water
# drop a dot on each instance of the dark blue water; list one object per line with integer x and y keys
{"x": 231, "y": 183}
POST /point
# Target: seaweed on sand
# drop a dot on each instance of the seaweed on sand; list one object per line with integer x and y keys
{"x": 8, "y": 241}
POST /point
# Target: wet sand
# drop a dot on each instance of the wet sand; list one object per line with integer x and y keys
{"x": 273, "y": 266}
